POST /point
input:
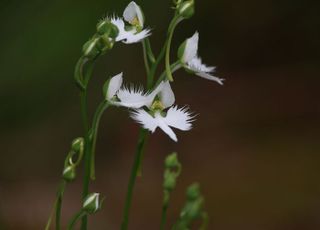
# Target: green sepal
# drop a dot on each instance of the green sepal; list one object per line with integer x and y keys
{"x": 181, "y": 50}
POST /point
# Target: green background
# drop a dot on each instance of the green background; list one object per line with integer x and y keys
{"x": 254, "y": 147}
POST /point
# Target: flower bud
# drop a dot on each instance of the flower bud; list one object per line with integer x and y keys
{"x": 77, "y": 144}
{"x": 172, "y": 161}
{"x": 108, "y": 28}
{"x": 169, "y": 180}
{"x": 92, "y": 203}
{"x": 90, "y": 49}
{"x": 186, "y": 9}
{"x": 193, "y": 191}
{"x": 69, "y": 173}
{"x": 195, "y": 209}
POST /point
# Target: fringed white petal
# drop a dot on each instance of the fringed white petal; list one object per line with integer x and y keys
{"x": 166, "y": 95}
{"x": 202, "y": 70}
{"x": 210, "y": 77}
{"x": 161, "y": 122}
{"x": 130, "y": 36}
{"x": 197, "y": 66}
{"x": 114, "y": 85}
{"x": 145, "y": 119}
{"x": 133, "y": 11}
{"x": 179, "y": 118}
{"x": 133, "y": 97}
{"x": 191, "y": 48}
{"x": 133, "y": 37}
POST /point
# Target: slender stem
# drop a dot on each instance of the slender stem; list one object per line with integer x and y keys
{"x": 150, "y": 54}
{"x": 57, "y": 207}
{"x": 173, "y": 67}
{"x": 59, "y": 204}
{"x": 145, "y": 57}
{"x": 94, "y": 134}
{"x": 172, "y": 27}
{"x": 75, "y": 219}
{"x": 84, "y": 79}
{"x": 134, "y": 172}
{"x": 164, "y": 216}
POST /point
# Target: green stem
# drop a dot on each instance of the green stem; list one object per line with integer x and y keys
{"x": 145, "y": 57}
{"x": 94, "y": 134}
{"x": 172, "y": 27}
{"x": 134, "y": 172}
{"x": 173, "y": 67}
{"x": 84, "y": 79}
{"x": 57, "y": 207}
{"x": 75, "y": 219}
{"x": 164, "y": 216}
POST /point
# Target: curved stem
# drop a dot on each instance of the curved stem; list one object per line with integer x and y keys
{"x": 172, "y": 27}
{"x": 94, "y": 134}
{"x": 173, "y": 68}
{"x": 57, "y": 207}
{"x": 75, "y": 219}
{"x": 134, "y": 172}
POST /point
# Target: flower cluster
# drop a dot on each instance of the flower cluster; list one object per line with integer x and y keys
{"x": 153, "y": 109}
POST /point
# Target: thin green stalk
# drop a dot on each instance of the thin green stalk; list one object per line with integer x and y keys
{"x": 145, "y": 56}
{"x": 172, "y": 27}
{"x": 173, "y": 67}
{"x": 150, "y": 54}
{"x": 75, "y": 219}
{"x": 57, "y": 207}
{"x": 164, "y": 216}
{"x": 134, "y": 172}
{"x": 94, "y": 134}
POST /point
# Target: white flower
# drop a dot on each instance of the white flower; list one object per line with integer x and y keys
{"x": 133, "y": 14}
{"x": 157, "y": 117}
{"x": 130, "y": 97}
{"x": 193, "y": 62}
{"x": 128, "y": 36}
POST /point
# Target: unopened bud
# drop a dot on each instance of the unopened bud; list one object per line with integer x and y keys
{"x": 170, "y": 180}
{"x": 195, "y": 209}
{"x": 77, "y": 144}
{"x": 172, "y": 161}
{"x": 107, "y": 28}
{"x": 90, "y": 49}
{"x": 186, "y": 9}
{"x": 92, "y": 203}
{"x": 193, "y": 191}
{"x": 69, "y": 173}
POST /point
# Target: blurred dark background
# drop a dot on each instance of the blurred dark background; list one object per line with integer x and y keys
{"x": 254, "y": 147}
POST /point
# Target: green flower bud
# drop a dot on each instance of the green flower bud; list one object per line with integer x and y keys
{"x": 172, "y": 161}
{"x": 105, "y": 42}
{"x": 193, "y": 192}
{"x": 169, "y": 180}
{"x": 77, "y": 144}
{"x": 92, "y": 203}
{"x": 90, "y": 49}
{"x": 195, "y": 209}
{"x": 108, "y": 28}
{"x": 186, "y": 9}
{"x": 69, "y": 173}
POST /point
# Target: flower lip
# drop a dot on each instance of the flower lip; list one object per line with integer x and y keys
{"x": 130, "y": 36}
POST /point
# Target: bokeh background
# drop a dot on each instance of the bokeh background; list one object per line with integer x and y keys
{"x": 254, "y": 147}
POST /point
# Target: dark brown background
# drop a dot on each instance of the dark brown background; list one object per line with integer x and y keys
{"x": 254, "y": 147}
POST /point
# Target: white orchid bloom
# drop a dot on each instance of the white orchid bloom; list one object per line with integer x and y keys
{"x": 130, "y": 97}
{"x": 191, "y": 61}
{"x": 133, "y": 14}
{"x": 128, "y": 36}
{"x": 157, "y": 117}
